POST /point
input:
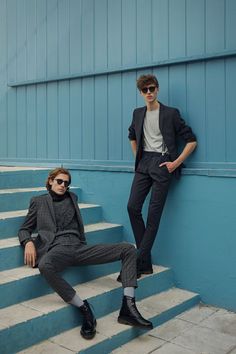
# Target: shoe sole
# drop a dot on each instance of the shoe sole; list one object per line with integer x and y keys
{"x": 128, "y": 323}
{"x": 90, "y": 336}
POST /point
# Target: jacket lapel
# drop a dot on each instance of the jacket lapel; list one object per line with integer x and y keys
{"x": 140, "y": 121}
{"x": 161, "y": 117}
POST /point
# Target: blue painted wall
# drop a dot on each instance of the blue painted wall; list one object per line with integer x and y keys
{"x": 67, "y": 92}
{"x": 104, "y": 45}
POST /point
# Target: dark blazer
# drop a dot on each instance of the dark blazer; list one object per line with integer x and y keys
{"x": 41, "y": 217}
{"x": 171, "y": 126}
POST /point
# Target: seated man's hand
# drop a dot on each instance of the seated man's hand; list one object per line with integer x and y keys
{"x": 30, "y": 254}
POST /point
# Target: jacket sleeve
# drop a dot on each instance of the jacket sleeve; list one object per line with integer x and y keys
{"x": 182, "y": 129}
{"x": 29, "y": 224}
{"x": 132, "y": 135}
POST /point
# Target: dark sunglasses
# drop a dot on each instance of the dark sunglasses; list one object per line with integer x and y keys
{"x": 150, "y": 89}
{"x": 61, "y": 181}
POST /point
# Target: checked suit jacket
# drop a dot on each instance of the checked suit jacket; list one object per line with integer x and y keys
{"x": 171, "y": 126}
{"x": 41, "y": 217}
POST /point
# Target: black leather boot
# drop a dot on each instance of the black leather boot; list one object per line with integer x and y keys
{"x": 88, "y": 329}
{"x": 130, "y": 315}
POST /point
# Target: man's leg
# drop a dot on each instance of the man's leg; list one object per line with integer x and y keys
{"x": 104, "y": 253}
{"x": 158, "y": 197}
{"x": 141, "y": 186}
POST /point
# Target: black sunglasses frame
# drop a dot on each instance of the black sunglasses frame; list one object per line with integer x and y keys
{"x": 150, "y": 89}
{"x": 61, "y": 181}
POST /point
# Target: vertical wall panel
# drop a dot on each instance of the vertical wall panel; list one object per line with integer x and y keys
{"x": 75, "y": 35}
{"x": 178, "y": 88}
{"x": 31, "y": 103}
{"x": 215, "y": 25}
{"x": 63, "y": 38}
{"x": 21, "y": 109}
{"x": 230, "y": 109}
{"x": 129, "y": 33}
{"x": 215, "y": 111}
{"x": 160, "y": 29}
{"x": 21, "y": 58}
{"x": 230, "y": 24}
{"x": 144, "y": 31}
{"x": 41, "y": 39}
{"x": 52, "y": 121}
{"x": 3, "y": 79}
{"x": 63, "y": 120}
{"x": 101, "y": 35}
{"x": 52, "y": 39}
{"x": 31, "y": 39}
{"x": 162, "y": 75}
{"x": 128, "y": 104}
{"x": 11, "y": 39}
{"x": 41, "y": 122}
{"x": 76, "y": 137}
{"x": 114, "y": 117}
{"x": 11, "y": 122}
{"x": 87, "y": 35}
{"x": 195, "y": 30}
{"x": 88, "y": 118}
{"x": 114, "y": 33}
{"x": 196, "y": 105}
{"x": 100, "y": 118}
{"x": 177, "y": 31}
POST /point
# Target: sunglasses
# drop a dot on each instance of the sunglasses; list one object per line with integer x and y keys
{"x": 150, "y": 89}
{"x": 61, "y": 181}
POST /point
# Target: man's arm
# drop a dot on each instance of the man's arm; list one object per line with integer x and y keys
{"x": 188, "y": 149}
{"x": 25, "y": 233}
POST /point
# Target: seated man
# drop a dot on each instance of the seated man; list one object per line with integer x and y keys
{"x": 61, "y": 243}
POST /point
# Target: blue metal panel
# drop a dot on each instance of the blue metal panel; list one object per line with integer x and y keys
{"x": 215, "y": 25}
{"x": 64, "y": 119}
{"x": 177, "y": 31}
{"x": 87, "y": 35}
{"x": 11, "y": 122}
{"x": 63, "y": 37}
{"x": 41, "y": 122}
{"x": 3, "y": 79}
{"x": 196, "y": 106}
{"x": 100, "y": 33}
{"x": 101, "y": 118}
{"x": 41, "y": 39}
{"x": 162, "y": 75}
{"x": 114, "y": 117}
{"x": 230, "y": 24}
{"x": 144, "y": 31}
{"x": 52, "y": 122}
{"x": 215, "y": 111}
{"x": 195, "y": 27}
{"x": 21, "y": 58}
{"x": 75, "y": 125}
{"x": 21, "y": 122}
{"x": 129, "y": 32}
{"x": 31, "y": 38}
{"x": 114, "y": 33}
{"x": 75, "y": 35}
{"x": 128, "y": 104}
{"x": 230, "y": 105}
{"x": 160, "y": 29}
{"x": 31, "y": 127}
{"x": 11, "y": 39}
{"x": 177, "y": 79}
{"x": 52, "y": 38}
{"x": 88, "y": 119}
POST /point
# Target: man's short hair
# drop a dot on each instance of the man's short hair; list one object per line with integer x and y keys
{"x": 52, "y": 175}
{"x": 145, "y": 80}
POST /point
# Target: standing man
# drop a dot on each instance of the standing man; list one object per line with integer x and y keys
{"x": 153, "y": 136}
{"x": 61, "y": 243}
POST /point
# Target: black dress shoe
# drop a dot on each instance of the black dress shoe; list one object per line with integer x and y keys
{"x": 88, "y": 329}
{"x": 130, "y": 315}
{"x": 119, "y": 277}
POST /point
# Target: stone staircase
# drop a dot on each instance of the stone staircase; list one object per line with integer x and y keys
{"x": 33, "y": 319}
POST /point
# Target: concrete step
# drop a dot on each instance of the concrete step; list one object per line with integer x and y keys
{"x": 159, "y": 308}
{"x": 11, "y": 221}
{"x": 20, "y": 177}
{"x": 11, "y": 253}
{"x": 19, "y": 198}
{"x": 38, "y": 319}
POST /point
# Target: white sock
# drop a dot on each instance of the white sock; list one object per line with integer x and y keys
{"x": 129, "y": 291}
{"x": 76, "y": 301}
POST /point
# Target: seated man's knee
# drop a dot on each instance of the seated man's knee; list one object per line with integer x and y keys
{"x": 45, "y": 267}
